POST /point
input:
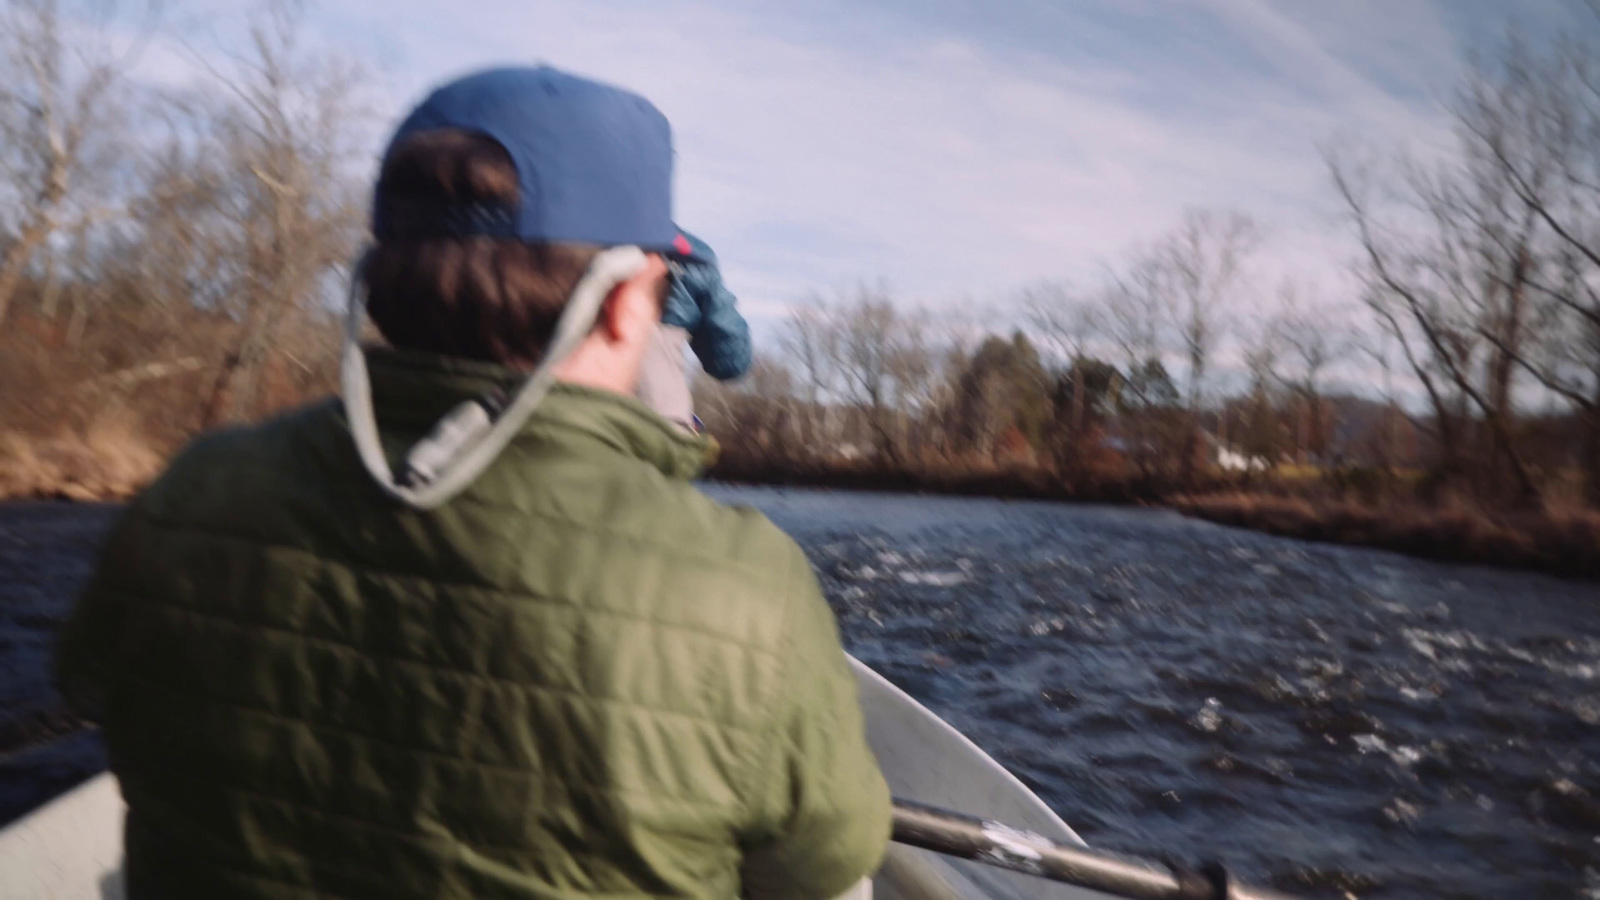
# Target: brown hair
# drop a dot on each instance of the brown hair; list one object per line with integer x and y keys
{"x": 484, "y": 298}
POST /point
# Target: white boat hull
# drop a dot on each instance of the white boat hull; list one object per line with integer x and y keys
{"x": 927, "y": 761}
{"x": 69, "y": 849}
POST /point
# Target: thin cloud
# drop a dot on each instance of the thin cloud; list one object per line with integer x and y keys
{"x": 824, "y": 144}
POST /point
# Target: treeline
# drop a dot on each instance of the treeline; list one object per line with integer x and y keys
{"x": 1105, "y": 389}
{"x": 862, "y": 385}
{"x": 171, "y": 260}
{"x": 167, "y": 255}
{"x": 1468, "y": 360}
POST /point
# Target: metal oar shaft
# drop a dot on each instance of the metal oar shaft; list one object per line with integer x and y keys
{"x": 995, "y": 844}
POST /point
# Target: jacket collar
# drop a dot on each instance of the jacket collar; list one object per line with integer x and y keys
{"x": 411, "y": 391}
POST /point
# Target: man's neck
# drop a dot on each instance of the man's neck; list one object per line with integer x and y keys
{"x": 598, "y": 367}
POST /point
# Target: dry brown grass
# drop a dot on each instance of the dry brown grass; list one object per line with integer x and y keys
{"x": 113, "y": 457}
{"x": 108, "y": 460}
{"x": 1097, "y": 480}
{"x": 1562, "y": 540}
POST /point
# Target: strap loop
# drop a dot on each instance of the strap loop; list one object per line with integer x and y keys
{"x": 468, "y": 439}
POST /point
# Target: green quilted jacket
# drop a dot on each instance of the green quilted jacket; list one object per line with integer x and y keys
{"x": 580, "y": 678}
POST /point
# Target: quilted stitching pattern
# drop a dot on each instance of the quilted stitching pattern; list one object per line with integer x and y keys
{"x": 580, "y": 679}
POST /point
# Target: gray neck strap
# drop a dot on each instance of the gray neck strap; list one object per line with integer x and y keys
{"x": 463, "y": 443}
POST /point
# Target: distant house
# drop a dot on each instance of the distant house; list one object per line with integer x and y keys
{"x": 1231, "y": 460}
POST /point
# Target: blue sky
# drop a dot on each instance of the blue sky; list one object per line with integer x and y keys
{"x": 959, "y": 150}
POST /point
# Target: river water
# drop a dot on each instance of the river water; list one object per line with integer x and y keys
{"x": 1332, "y": 721}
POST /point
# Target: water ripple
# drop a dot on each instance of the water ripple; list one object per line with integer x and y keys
{"x": 1337, "y": 722}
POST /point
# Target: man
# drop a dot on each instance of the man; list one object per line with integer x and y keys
{"x": 471, "y": 633}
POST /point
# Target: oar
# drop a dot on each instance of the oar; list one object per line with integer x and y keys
{"x": 995, "y": 844}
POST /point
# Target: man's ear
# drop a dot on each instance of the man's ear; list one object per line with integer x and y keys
{"x": 609, "y": 323}
{"x": 633, "y": 308}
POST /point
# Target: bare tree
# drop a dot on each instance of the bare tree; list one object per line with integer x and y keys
{"x": 1437, "y": 354}
{"x": 879, "y": 353}
{"x": 1311, "y": 337}
{"x": 809, "y": 340}
{"x": 60, "y": 128}
{"x": 1534, "y": 123}
{"x": 1197, "y": 269}
{"x": 1131, "y": 310}
{"x": 1062, "y": 319}
{"x": 1203, "y": 261}
{"x": 1457, "y": 269}
{"x": 291, "y": 136}
{"x": 754, "y": 415}
{"x": 914, "y": 366}
{"x": 1068, "y": 324}
{"x": 1377, "y": 344}
{"x": 1132, "y": 315}
{"x": 954, "y": 335}
{"x": 1259, "y": 433}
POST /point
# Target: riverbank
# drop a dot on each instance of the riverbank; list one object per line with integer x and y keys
{"x": 111, "y": 463}
{"x": 107, "y": 462}
{"x": 1564, "y": 542}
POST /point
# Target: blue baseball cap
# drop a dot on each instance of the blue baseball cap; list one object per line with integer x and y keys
{"x": 594, "y": 162}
